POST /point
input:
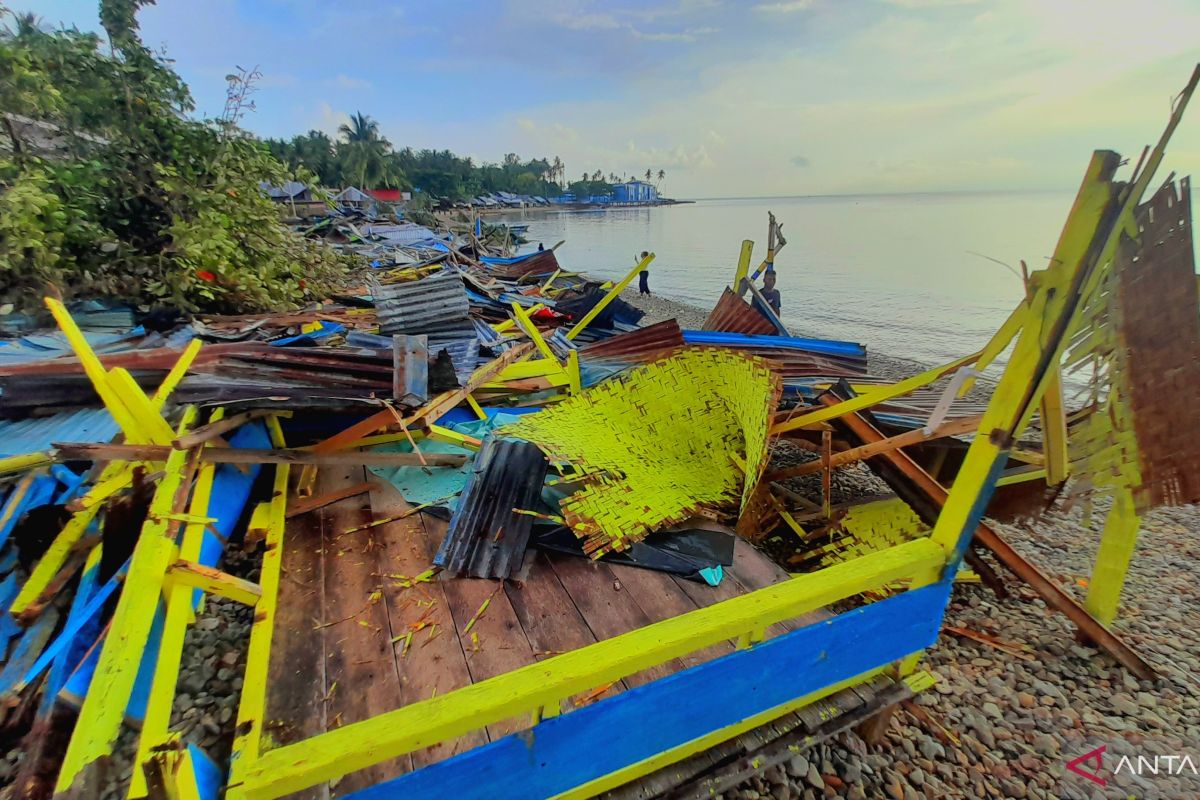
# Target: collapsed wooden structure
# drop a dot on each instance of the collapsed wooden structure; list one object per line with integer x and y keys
{"x": 475, "y": 689}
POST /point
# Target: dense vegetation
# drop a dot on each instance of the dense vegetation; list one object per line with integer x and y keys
{"x": 136, "y": 200}
{"x": 362, "y": 157}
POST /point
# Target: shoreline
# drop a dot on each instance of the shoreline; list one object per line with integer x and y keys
{"x": 659, "y": 308}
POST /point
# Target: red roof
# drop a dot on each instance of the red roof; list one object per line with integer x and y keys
{"x": 387, "y": 195}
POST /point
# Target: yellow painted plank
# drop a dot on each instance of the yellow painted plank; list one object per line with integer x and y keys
{"x": 148, "y": 416}
{"x": 126, "y": 420}
{"x": 179, "y": 614}
{"x": 175, "y": 375}
{"x": 352, "y": 747}
{"x": 113, "y": 480}
{"x": 608, "y": 298}
{"x": 743, "y": 268}
{"x": 1014, "y": 399}
{"x": 103, "y": 710}
{"x": 1113, "y": 557}
{"x": 24, "y": 462}
{"x": 531, "y": 330}
{"x": 1054, "y": 430}
{"x": 253, "y": 706}
{"x": 190, "y": 575}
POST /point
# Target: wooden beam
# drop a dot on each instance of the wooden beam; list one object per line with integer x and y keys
{"x": 71, "y": 451}
{"x": 209, "y": 432}
{"x": 432, "y": 411}
{"x": 916, "y": 479}
{"x": 313, "y": 503}
{"x": 906, "y": 439}
{"x": 214, "y": 581}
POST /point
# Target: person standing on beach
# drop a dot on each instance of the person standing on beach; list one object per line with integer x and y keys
{"x": 644, "y": 275}
{"x": 769, "y": 292}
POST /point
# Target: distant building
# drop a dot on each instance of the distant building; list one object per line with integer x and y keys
{"x": 290, "y": 192}
{"x": 634, "y": 192}
{"x": 354, "y": 197}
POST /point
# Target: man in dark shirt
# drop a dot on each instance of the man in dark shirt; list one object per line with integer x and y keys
{"x": 643, "y": 276}
{"x": 769, "y": 292}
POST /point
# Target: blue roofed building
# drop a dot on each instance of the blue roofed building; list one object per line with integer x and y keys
{"x": 635, "y": 192}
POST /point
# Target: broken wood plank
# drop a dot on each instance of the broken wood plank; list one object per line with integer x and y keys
{"x": 213, "y": 430}
{"x": 80, "y": 451}
{"x": 952, "y": 428}
{"x": 313, "y": 503}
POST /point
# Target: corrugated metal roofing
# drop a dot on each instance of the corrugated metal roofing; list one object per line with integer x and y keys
{"x": 437, "y": 304}
{"x": 37, "y": 435}
{"x": 735, "y": 315}
{"x": 641, "y": 345}
{"x": 486, "y": 538}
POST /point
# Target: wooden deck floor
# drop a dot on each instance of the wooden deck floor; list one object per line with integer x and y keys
{"x": 342, "y": 652}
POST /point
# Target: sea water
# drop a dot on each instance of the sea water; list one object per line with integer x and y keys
{"x": 925, "y": 276}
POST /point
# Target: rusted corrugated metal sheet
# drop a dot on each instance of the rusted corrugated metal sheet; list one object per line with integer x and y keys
{"x": 735, "y": 315}
{"x": 543, "y": 262}
{"x": 437, "y": 304}
{"x": 487, "y": 538}
{"x": 636, "y": 346}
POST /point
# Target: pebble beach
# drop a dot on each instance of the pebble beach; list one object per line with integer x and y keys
{"x": 1000, "y": 726}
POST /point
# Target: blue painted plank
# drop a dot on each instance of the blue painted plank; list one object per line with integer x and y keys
{"x": 28, "y": 648}
{"x": 582, "y": 745}
{"x": 210, "y": 778}
{"x": 78, "y": 617}
{"x": 230, "y": 491}
{"x": 9, "y": 588}
{"x": 82, "y": 628}
{"x": 41, "y": 490}
{"x": 831, "y": 347}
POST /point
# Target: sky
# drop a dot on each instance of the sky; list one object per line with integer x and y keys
{"x": 730, "y": 99}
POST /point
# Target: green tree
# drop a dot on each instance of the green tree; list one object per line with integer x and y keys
{"x": 134, "y": 200}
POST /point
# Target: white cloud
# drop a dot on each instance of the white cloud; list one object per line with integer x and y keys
{"x": 348, "y": 83}
{"x": 784, "y": 6}
{"x": 587, "y": 21}
{"x": 329, "y": 120}
{"x": 687, "y": 35}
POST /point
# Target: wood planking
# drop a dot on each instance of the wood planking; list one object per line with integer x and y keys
{"x": 435, "y": 665}
{"x": 608, "y": 609}
{"x": 295, "y": 703}
{"x": 660, "y": 597}
{"x": 502, "y": 644}
{"x": 550, "y": 619}
{"x": 360, "y": 670}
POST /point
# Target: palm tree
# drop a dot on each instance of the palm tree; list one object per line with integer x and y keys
{"x": 661, "y": 174}
{"x": 648, "y": 174}
{"x": 364, "y": 152}
{"x": 559, "y": 169}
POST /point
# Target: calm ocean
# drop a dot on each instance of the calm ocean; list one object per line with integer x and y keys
{"x": 897, "y": 273}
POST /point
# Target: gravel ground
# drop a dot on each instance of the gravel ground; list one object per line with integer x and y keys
{"x": 1001, "y": 726}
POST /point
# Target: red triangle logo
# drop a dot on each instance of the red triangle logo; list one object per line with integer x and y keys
{"x": 1094, "y": 760}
